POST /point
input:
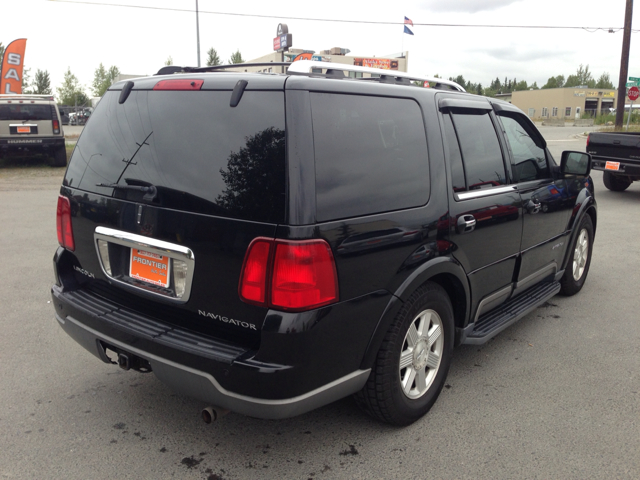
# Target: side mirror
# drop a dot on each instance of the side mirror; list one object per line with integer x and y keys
{"x": 575, "y": 163}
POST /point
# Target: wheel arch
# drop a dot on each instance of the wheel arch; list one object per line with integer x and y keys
{"x": 445, "y": 272}
{"x": 586, "y": 208}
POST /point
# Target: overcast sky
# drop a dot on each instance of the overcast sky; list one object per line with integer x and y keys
{"x": 82, "y": 34}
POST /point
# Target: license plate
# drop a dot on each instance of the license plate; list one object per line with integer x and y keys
{"x": 612, "y": 166}
{"x": 150, "y": 267}
{"x": 23, "y": 129}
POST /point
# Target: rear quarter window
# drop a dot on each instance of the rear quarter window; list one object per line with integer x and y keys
{"x": 370, "y": 155}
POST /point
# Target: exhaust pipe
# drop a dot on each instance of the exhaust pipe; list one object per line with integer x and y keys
{"x": 211, "y": 414}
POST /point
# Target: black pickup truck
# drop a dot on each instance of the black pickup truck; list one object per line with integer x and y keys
{"x": 617, "y": 155}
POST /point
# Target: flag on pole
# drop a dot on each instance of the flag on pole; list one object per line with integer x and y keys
{"x": 12, "y": 64}
{"x": 407, "y": 21}
{"x": 406, "y": 30}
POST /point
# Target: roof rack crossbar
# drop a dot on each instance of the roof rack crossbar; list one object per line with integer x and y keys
{"x": 304, "y": 67}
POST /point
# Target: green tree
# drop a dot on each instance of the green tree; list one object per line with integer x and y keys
{"x": 460, "y": 81}
{"x": 71, "y": 92}
{"x": 42, "y": 83}
{"x": 169, "y": 60}
{"x": 604, "y": 81}
{"x": 521, "y": 85}
{"x": 213, "y": 58}
{"x": 581, "y": 78}
{"x": 236, "y": 57}
{"x": 1, "y": 51}
{"x": 103, "y": 79}
{"x": 555, "y": 82}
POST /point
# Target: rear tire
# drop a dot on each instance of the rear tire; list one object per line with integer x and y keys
{"x": 413, "y": 361}
{"x": 578, "y": 266}
{"x": 615, "y": 183}
{"x": 60, "y": 157}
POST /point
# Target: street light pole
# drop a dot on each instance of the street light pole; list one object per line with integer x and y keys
{"x": 198, "y": 32}
{"x": 624, "y": 66}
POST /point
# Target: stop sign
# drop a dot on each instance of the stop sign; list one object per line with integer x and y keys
{"x": 633, "y": 94}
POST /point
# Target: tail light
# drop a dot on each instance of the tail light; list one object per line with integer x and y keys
{"x": 588, "y": 138}
{"x": 56, "y": 126}
{"x": 63, "y": 221}
{"x": 289, "y": 275}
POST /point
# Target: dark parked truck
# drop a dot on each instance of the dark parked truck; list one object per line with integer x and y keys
{"x": 270, "y": 243}
{"x": 618, "y": 156}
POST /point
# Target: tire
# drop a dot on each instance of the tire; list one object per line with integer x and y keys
{"x": 421, "y": 337}
{"x": 615, "y": 183}
{"x": 580, "y": 260}
{"x": 60, "y": 157}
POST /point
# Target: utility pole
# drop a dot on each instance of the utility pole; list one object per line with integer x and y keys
{"x": 624, "y": 66}
{"x": 198, "y": 33}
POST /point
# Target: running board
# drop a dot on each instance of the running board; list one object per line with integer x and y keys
{"x": 495, "y": 321}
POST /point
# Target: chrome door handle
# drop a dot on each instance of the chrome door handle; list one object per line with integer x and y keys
{"x": 533, "y": 206}
{"x": 466, "y": 223}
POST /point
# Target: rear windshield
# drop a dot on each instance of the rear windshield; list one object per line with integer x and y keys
{"x": 200, "y": 154}
{"x": 21, "y": 111}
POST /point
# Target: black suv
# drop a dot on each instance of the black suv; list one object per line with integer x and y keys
{"x": 270, "y": 243}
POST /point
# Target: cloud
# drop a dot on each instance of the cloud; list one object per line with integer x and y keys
{"x": 466, "y": 6}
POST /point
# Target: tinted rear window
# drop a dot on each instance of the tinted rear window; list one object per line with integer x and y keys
{"x": 200, "y": 154}
{"x": 21, "y": 111}
{"x": 370, "y": 153}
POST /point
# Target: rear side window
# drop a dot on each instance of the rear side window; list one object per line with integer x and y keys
{"x": 370, "y": 155}
{"x": 201, "y": 154}
{"x": 481, "y": 152}
{"x": 23, "y": 111}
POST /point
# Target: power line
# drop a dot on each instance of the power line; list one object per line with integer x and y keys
{"x": 286, "y": 17}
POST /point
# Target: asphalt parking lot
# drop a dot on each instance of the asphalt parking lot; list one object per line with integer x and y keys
{"x": 557, "y": 395}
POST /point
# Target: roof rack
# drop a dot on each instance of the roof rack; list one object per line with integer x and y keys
{"x": 305, "y": 67}
{"x": 334, "y": 70}
{"x": 169, "y": 69}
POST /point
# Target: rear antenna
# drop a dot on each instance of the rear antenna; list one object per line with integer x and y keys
{"x": 238, "y": 90}
{"x": 124, "y": 94}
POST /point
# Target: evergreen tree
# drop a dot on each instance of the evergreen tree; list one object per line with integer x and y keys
{"x": 236, "y": 57}
{"x": 213, "y": 58}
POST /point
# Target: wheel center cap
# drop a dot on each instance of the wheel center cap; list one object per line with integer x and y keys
{"x": 420, "y": 355}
